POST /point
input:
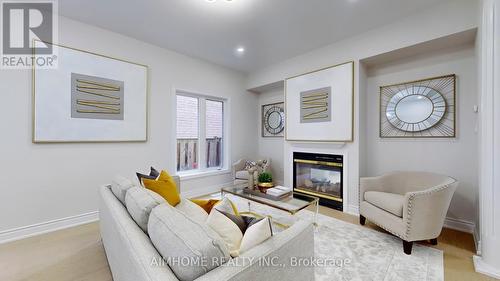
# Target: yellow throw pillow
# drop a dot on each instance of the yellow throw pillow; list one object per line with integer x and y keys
{"x": 206, "y": 204}
{"x": 165, "y": 186}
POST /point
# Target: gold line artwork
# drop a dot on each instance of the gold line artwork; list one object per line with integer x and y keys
{"x": 315, "y": 103}
{"x": 97, "y": 111}
{"x": 98, "y": 102}
{"x": 97, "y": 88}
{"x": 99, "y": 94}
{"x": 110, "y": 101}
{"x": 318, "y": 103}
{"x": 307, "y": 99}
{"x": 313, "y": 106}
{"x": 315, "y": 113}
{"x": 99, "y": 106}
{"x": 324, "y": 95}
{"x": 314, "y": 117}
{"x": 99, "y": 84}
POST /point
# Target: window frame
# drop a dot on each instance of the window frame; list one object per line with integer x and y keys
{"x": 202, "y": 169}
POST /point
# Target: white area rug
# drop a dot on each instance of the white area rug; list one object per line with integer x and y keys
{"x": 371, "y": 255}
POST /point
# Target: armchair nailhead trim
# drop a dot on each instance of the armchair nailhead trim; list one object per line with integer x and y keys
{"x": 420, "y": 194}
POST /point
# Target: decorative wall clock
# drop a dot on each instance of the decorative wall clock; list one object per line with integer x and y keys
{"x": 273, "y": 120}
{"x": 423, "y": 108}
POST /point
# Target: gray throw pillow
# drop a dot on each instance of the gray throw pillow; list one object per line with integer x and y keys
{"x": 179, "y": 238}
{"x": 153, "y": 175}
{"x": 140, "y": 202}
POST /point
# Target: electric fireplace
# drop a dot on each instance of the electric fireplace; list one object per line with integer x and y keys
{"x": 319, "y": 175}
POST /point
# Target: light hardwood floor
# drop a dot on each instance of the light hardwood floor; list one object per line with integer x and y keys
{"x": 77, "y": 254}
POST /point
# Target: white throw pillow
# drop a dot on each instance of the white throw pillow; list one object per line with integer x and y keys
{"x": 255, "y": 234}
{"x": 227, "y": 229}
{"x": 119, "y": 187}
{"x": 227, "y": 206}
{"x": 192, "y": 210}
{"x": 240, "y": 233}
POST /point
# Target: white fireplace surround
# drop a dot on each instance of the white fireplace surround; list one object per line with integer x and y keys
{"x": 350, "y": 172}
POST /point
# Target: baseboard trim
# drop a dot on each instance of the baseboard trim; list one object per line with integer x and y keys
{"x": 461, "y": 225}
{"x": 477, "y": 241}
{"x": 481, "y": 267}
{"x": 46, "y": 227}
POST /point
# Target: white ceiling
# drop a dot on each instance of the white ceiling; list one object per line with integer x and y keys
{"x": 270, "y": 30}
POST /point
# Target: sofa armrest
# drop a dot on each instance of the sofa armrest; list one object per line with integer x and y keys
{"x": 264, "y": 261}
{"x": 238, "y": 166}
{"x": 424, "y": 211}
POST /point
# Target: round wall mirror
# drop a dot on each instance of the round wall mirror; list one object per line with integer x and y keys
{"x": 416, "y": 109}
{"x": 274, "y": 120}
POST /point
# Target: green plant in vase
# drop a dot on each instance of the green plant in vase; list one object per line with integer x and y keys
{"x": 265, "y": 181}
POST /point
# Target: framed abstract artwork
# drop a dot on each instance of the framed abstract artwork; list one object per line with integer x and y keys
{"x": 319, "y": 105}
{"x": 90, "y": 98}
{"x": 273, "y": 120}
{"x": 419, "y": 109}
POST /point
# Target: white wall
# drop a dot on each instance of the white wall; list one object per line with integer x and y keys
{"x": 455, "y": 157}
{"x": 449, "y": 18}
{"x": 271, "y": 146}
{"x": 43, "y": 182}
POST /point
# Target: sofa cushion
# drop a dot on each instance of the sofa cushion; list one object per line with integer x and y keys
{"x": 178, "y": 237}
{"x": 140, "y": 202}
{"x": 194, "y": 211}
{"x": 119, "y": 187}
{"x": 390, "y": 202}
{"x": 242, "y": 175}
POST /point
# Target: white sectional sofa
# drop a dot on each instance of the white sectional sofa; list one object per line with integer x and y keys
{"x": 133, "y": 257}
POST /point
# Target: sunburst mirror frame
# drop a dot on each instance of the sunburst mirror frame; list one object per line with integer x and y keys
{"x": 438, "y": 122}
{"x": 272, "y": 127}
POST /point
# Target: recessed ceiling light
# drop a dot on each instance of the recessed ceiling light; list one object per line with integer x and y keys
{"x": 213, "y": 1}
{"x": 240, "y": 50}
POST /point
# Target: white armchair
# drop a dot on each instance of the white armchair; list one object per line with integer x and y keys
{"x": 240, "y": 174}
{"x": 410, "y": 205}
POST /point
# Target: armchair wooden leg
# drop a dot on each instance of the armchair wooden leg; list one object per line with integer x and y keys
{"x": 362, "y": 220}
{"x": 407, "y": 247}
{"x": 434, "y": 241}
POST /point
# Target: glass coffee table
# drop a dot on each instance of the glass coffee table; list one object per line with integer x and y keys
{"x": 288, "y": 204}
